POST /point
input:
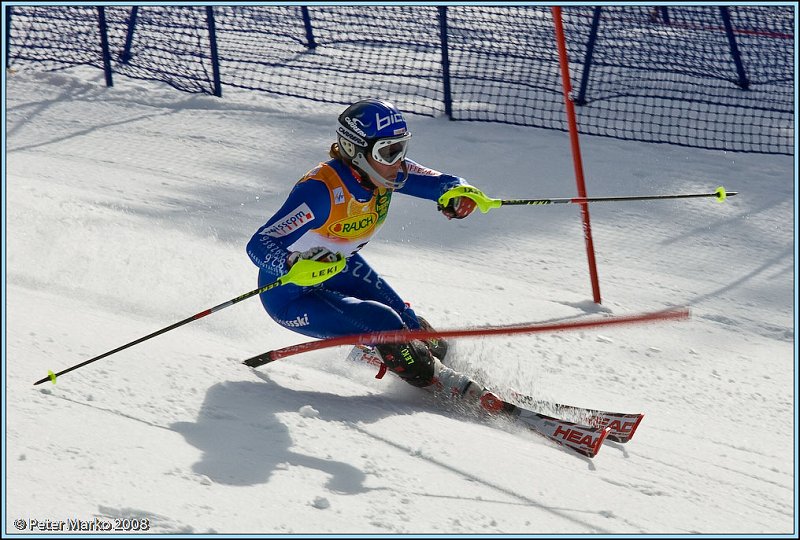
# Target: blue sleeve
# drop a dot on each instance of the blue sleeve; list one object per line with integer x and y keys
{"x": 307, "y": 207}
{"x": 427, "y": 183}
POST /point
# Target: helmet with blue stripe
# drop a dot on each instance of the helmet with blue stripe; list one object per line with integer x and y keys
{"x": 376, "y": 128}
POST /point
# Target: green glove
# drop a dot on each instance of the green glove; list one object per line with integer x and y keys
{"x": 313, "y": 266}
{"x": 483, "y": 202}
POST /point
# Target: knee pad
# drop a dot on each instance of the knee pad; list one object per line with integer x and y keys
{"x": 412, "y": 361}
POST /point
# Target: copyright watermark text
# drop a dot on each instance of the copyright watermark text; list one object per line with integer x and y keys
{"x": 83, "y": 525}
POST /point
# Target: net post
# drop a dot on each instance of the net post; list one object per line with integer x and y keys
{"x": 103, "y": 29}
{"x": 310, "y": 41}
{"x": 212, "y": 37}
{"x": 448, "y": 100}
{"x": 742, "y": 81}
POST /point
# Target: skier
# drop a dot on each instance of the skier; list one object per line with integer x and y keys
{"x": 332, "y": 212}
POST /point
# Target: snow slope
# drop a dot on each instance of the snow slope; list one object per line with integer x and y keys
{"x": 128, "y": 209}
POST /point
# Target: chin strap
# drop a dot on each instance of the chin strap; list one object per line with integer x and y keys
{"x": 362, "y": 178}
{"x": 362, "y": 164}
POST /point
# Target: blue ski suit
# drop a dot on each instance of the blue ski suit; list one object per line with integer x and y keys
{"x": 328, "y": 207}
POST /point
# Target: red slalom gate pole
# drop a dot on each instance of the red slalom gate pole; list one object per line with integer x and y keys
{"x": 402, "y": 336}
{"x": 576, "y": 150}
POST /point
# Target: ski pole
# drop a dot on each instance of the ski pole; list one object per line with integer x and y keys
{"x": 487, "y": 203}
{"x": 304, "y": 272}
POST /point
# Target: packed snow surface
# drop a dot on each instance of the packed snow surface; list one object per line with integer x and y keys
{"x": 128, "y": 209}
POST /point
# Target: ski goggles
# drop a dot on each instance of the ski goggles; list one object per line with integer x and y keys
{"x": 391, "y": 150}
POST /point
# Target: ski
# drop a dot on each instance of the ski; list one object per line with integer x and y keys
{"x": 583, "y": 439}
{"x": 367, "y": 354}
{"x": 622, "y": 425}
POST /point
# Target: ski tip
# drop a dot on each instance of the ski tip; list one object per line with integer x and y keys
{"x": 622, "y": 432}
{"x": 599, "y": 444}
{"x": 635, "y": 426}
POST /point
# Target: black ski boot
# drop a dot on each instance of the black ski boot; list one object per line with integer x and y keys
{"x": 412, "y": 361}
{"x": 438, "y": 347}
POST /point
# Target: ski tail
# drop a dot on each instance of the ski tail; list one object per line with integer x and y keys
{"x": 366, "y": 354}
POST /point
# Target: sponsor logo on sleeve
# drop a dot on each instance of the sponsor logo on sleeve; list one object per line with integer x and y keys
{"x": 289, "y": 223}
{"x": 415, "y": 168}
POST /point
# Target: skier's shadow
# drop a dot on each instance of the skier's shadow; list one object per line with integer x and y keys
{"x": 243, "y": 441}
